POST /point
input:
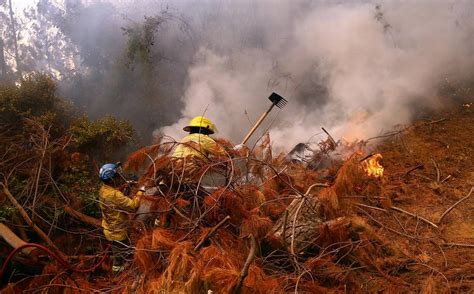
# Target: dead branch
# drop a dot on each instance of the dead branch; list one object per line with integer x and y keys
{"x": 12, "y": 239}
{"x": 435, "y": 121}
{"x": 366, "y": 157}
{"x": 438, "y": 174}
{"x": 82, "y": 217}
{"x": 458, "y": 245}
{"x": 415, "y": 216}
{"x": 400, "y": 210}
{"x": 393, "y": 133}
{"x": 285, "y": 219}
{"x": 442, "y": 252}
{"x": 454, "y": 205}
{"x": 30, "y": 222}
{"x": 385, "y": 227}
{"x": 447, "y": 178}
{"x": 211, "y": 232}
{"x": 76, "y": 214}
{"x": 419, "y": 166}
{"x": 245, "y": 269}
{"x": 330, "y": 138}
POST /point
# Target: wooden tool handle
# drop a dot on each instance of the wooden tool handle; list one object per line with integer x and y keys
{"x": 257, "y": 124}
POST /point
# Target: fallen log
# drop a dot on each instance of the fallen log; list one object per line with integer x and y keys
{"x": 82, "y": 217}
{"x": 75, "y": 214}
{"x": 12, "y": 239}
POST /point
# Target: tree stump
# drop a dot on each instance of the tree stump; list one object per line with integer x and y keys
{"x": 300, "y": 224}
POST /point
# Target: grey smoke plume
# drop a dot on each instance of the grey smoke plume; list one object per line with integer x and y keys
{"x": 355, "y": 68}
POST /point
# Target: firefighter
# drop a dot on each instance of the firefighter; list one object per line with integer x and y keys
{"x": 198, "y": 143}
{"x": 115, "y": 207}
{"x": 195, "y": 150}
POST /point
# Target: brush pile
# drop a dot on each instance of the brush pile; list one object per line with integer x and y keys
{"x": 274, "y": 225}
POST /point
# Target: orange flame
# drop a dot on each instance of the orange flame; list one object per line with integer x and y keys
{"x": 372, "y": 166}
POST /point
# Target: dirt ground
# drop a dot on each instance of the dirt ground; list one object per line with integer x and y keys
{"x": 443, "y": 149}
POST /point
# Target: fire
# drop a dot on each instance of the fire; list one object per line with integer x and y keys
{"x": 372, "y": 166}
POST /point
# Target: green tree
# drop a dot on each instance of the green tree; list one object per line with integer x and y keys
{"x": 100, "y": 139}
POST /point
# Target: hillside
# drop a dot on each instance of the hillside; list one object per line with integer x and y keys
{"x": 365, "y": 234}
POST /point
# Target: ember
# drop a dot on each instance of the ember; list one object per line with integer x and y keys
{"x": 372, "y": 166}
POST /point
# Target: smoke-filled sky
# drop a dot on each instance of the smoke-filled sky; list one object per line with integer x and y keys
{"x": 354, "y": 67}
{"x": 349, "y": 66}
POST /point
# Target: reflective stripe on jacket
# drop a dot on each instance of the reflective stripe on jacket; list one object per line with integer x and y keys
{"x": 115, "y": 205}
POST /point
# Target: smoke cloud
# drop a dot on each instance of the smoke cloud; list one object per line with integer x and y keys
{"x": 356, "y": 68}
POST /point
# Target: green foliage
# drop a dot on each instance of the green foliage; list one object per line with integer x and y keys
{"x": 101, "y": 137}
{"x": 6, "y": 213}
{"x": 35, "y": 98}
{"x": 141, "y": 37}
{"x": 82, "y": 186}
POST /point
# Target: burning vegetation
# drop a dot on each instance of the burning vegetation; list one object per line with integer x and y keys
{"x": 391, "y": 213}
{"x": 319, "y": 219}
{"x": 372, "y": 165}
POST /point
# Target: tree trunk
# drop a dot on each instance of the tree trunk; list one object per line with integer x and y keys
{"x": 15, "y": 41}
{"x": 299, "y": 226}
{"x": 3, "y": 65}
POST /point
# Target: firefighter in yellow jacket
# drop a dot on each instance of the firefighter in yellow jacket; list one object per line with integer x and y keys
{"x": 115, "y": 207}
{"x": 195, "y": 149}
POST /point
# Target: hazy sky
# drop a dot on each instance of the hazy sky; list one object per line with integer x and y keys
{"x": 22, "y": 4}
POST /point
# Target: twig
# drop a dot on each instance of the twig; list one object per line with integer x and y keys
{"x": 283, "y": 234}
{"x": 433, "y": 269}
{"x": 415, "y": 216}
{"x": 367, "y": 157}
{"x": 419, "y": 166}
{"x": 245, "y": 269}
{"x": 458, "y": 245}
{"x": 438, "y": 174}
{"x": 399, "y": 223}
{"x": 442, "y": 252}
{"x": 435, "y": 121}
{"x": 211, "y": 232}
{"x": 388, "y": 228}
{"x": 400, "y": 210}
{"x": 393, "y": 133}
{"x": 371, "y": 207}
{"x": 447, "y": 178}
{"x": 454, "y": 205}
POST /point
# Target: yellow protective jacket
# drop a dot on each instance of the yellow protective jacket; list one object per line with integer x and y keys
{"x": 115, "y": 207}
{"x": 192, "y": 152}
{"x": 199, "y": 146}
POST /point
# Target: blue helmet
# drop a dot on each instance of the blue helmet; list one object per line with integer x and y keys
{"x": 108, "y": 171}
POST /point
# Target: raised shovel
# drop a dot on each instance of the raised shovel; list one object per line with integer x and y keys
{"x": 277, "y": 101}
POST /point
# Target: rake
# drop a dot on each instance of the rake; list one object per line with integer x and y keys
{"x": 277, "y": 101}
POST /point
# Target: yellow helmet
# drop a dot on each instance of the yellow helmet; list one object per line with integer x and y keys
{"x": 201, "y": 122}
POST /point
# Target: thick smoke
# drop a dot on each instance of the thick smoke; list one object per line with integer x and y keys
{"x": 355, "y": 68}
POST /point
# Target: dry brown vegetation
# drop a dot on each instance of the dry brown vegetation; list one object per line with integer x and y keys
{"x": 293, "y": 229}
